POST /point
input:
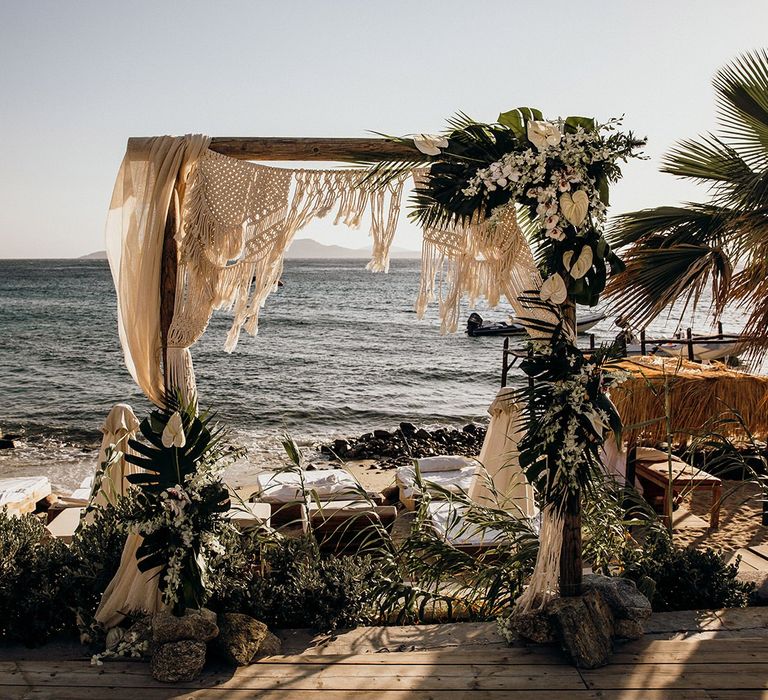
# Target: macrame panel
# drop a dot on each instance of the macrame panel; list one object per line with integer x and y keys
{"x": 238, "y": 220}
{"x": 482, "y": 259}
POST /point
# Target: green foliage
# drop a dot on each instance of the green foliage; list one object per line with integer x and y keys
{"x": 181, "y": 500}
{"x": 567, "y": 412}
{"x": 94, "y": 557}
{"x": 676, "y": 578}
{"x": 679, "y": 252}
{"x": 47, "y": 587}
{"x": 33, "y": 581}
{"x": 288, "y": 582}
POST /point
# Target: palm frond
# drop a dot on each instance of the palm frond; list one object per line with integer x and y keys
{"x": 658, "y": 275}
{"x": 742, "y": 89}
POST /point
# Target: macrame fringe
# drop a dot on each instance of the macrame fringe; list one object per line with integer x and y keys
{"x": 545, "y": 580}
{"x": 181, "y": 374}
{"x": 238, "y": 220}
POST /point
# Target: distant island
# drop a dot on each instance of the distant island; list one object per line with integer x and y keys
{"x": 308, "y": 248}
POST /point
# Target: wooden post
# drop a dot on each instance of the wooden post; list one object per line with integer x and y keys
{"x": 570, "y": 551}
{"x": 642, "y": 342}
{"x": 504, "y": 365}
{"x": 168, "y": 271}
{"x": 690, "y": 344}
{"x": 591, "y": 341}
{"x": 720, "y": 329}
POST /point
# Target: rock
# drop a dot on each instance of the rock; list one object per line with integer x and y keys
{"x": 422, "y": 434}
{"x": 584, "y": 625}
{"x": 407, "y": 429}
{"x": 382, "y": 434}
{"x": 341, "y": 447}
{"x": 470, "y": 428}
{"x": 627, "y": 629}
{"x": 621, "y": 594}
{"x": 178, "y": 661}
{"x": 534, "y": 625}
{"x": 365, "y": 437}
{"x": 6, "y": 444}
{"x": 240, "y": 638}
{"x": 270, "y": 646}
{"x": 198, "y": 625}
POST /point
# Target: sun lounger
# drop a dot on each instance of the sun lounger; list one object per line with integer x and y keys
{"x": 453, "y": 473}
{"x": 63, "y": 526}
{"x": 20, "y": 494}
{"x": 347, "y": 523}
{"x": 285, "y": 490}
{"x": 248, "y": 515}
{"x": 447, "y": 518}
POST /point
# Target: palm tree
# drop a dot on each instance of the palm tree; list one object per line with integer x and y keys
{"x": 674, "y": 253}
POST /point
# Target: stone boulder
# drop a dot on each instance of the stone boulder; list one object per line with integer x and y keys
{"x": 270, "y": 646}
{"x": 182, "y": 660}
{"x": 534, "y": 625}
{"x": 621, "y": 594}
{"x": 584, "y": 625}
{"x": 242, "y": 638}
{"x": 196, "y": 625}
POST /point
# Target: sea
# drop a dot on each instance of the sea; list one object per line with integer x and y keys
{"x": 339, "y": 352}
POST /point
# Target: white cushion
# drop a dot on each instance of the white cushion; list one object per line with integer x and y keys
{"x": 286, "y": 486}
{"x": 447, "y": 520}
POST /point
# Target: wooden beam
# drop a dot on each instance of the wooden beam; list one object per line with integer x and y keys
{"x": 309, "y": 149}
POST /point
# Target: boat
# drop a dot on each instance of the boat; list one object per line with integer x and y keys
{"x": 704, "y": 348}
{"x": 477, "y": 326}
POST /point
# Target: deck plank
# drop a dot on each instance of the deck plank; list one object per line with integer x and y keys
{"x": 714, "y": 669}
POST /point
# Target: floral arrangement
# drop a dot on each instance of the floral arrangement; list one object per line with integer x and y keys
{"x": 182, "y": 498}
{"x": 568, "y": 413}
{"x": 556, "y": 172}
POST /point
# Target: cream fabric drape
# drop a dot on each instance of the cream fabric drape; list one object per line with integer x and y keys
{"x": 130, "y": 590}
{"x": 499, "y": 457}
{"x": 121, "y": 425}
{"x": 134, "y": 240}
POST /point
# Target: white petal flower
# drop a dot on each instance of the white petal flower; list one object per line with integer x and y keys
{"x": 575, "y": 207}
{"x": 430, "y": 144}
{"x": 553, "y": 289}
{"x": 543, "y": 134}
{"x": 582, "y": 265}
{"x": 173, "y": 433}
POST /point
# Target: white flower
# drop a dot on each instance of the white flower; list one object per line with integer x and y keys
{"x": 582, "y": 265}
{"x": 543, "y": 134}
{"x": 553, "y": 289}
{"x": 173, "y": 433}
{"x": 430, "y": 144}
{"x": 575, "y": 207}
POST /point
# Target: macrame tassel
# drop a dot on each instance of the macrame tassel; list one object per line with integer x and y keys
{"x": 181, "y": 374}
{"x": 545, "y": 581}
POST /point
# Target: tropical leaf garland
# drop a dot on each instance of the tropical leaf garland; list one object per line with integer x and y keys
{"x": 464, "y": 182}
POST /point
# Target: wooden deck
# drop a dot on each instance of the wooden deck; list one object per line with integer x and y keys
{"x": 724, "y": 668}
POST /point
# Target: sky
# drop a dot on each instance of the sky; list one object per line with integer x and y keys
{"x": 77, "y": 78}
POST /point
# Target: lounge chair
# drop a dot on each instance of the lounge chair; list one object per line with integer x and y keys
{"x": 21, "y": 494}
{"x": 452, "y": 473}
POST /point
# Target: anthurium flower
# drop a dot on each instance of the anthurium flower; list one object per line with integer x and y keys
{"x": 543, "y": 134}
{"x": 553, "y": 289}
{"x": 173, "y": 433}
{"x": 430, "y": 144}
{"x": 581, "y": 266}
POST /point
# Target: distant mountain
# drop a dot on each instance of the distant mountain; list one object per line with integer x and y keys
{"x": 303, "y": 248}
{"x": 310, "y": 248}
